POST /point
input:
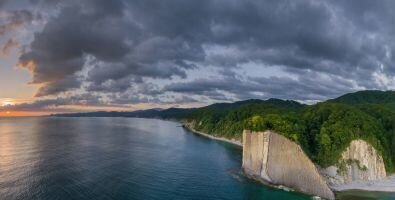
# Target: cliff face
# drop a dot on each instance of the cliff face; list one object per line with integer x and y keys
{"x": 275, "y": 159}
{"x": 359, "y": 162}
{"x": 363, "y": 162}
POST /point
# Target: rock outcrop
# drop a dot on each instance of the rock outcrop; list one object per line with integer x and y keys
{"x": 274, "y": 159}
{"x": 363, "y": 162}
{"x": 359, "y": 162}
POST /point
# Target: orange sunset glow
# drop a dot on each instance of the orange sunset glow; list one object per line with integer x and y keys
{"x": 6, "y": 105}
{"x": 22, "y": 114}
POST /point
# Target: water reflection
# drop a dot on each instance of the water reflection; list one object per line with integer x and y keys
{"x": 119, "y": 158}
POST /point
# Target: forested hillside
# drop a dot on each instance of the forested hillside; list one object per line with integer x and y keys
{"x": 229, "y": 121}
{"x": 324, "y": 130}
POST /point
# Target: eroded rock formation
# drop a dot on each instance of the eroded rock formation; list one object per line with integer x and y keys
{"x": 363, "y": 162}
{"x": 359, "y": 162}
{"x": 273, "y": 158}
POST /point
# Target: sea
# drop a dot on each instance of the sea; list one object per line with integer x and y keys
{"x": 54, "y": 158}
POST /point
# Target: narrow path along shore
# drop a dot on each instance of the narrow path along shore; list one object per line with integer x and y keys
{"x": 234, "y": 142}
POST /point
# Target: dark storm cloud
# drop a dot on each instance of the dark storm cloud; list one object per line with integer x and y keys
{"x": 101, "y": 30}
{"x": 322, "y": 43}
{"x": 59, "y": 51}
{"x": 62, "y": 85}
{"x": 311, "y": 87}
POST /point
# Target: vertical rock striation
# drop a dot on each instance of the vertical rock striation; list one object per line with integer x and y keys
{"x": 360, "y": 162}
{"x": 255, "y": 154}
{"x": 363, "y": 163}
{"x": 273, "y": 158}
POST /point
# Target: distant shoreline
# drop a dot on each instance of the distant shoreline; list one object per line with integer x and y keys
{"x": 233, "y": 142}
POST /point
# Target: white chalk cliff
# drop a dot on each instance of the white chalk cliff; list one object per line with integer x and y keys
{"x": 359, "y": 162}
{"x": 274, "y": 159}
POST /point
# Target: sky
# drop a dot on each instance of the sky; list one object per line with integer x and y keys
{"x": 72, "y": 56}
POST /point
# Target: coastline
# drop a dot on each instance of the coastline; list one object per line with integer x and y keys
{"x": 222, "y": 139}
{"x": 239, "y": 144}
{"x": 387, "y": 185}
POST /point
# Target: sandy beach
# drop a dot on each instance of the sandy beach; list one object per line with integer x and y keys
{"x": 387, "y": 185}
{"x": 234, "y": 142}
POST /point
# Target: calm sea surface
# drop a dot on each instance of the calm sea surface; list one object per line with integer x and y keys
{"x": 119, "y": 158}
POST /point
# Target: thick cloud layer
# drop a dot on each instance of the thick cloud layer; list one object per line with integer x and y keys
{"x": 213, "y": 50}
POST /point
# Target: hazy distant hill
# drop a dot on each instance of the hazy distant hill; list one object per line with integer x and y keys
{"x": 139, "y": 113}
{"x": 185, "y": 112}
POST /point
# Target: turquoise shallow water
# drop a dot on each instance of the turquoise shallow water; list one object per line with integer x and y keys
{"x": 119, "y": 158}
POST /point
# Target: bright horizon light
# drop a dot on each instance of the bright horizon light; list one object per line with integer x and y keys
{"x": 7, "y": 103}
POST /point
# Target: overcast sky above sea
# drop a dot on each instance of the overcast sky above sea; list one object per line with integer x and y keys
{"x": 62, "y": 56}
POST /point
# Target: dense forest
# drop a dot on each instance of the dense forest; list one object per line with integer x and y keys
{"x": 324, "y": 130}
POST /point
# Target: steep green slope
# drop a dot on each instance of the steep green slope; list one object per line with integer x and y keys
{"x": 229, "y": 121}
{"x": 378, "y": 104}
{"x": 331, "y": 127}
